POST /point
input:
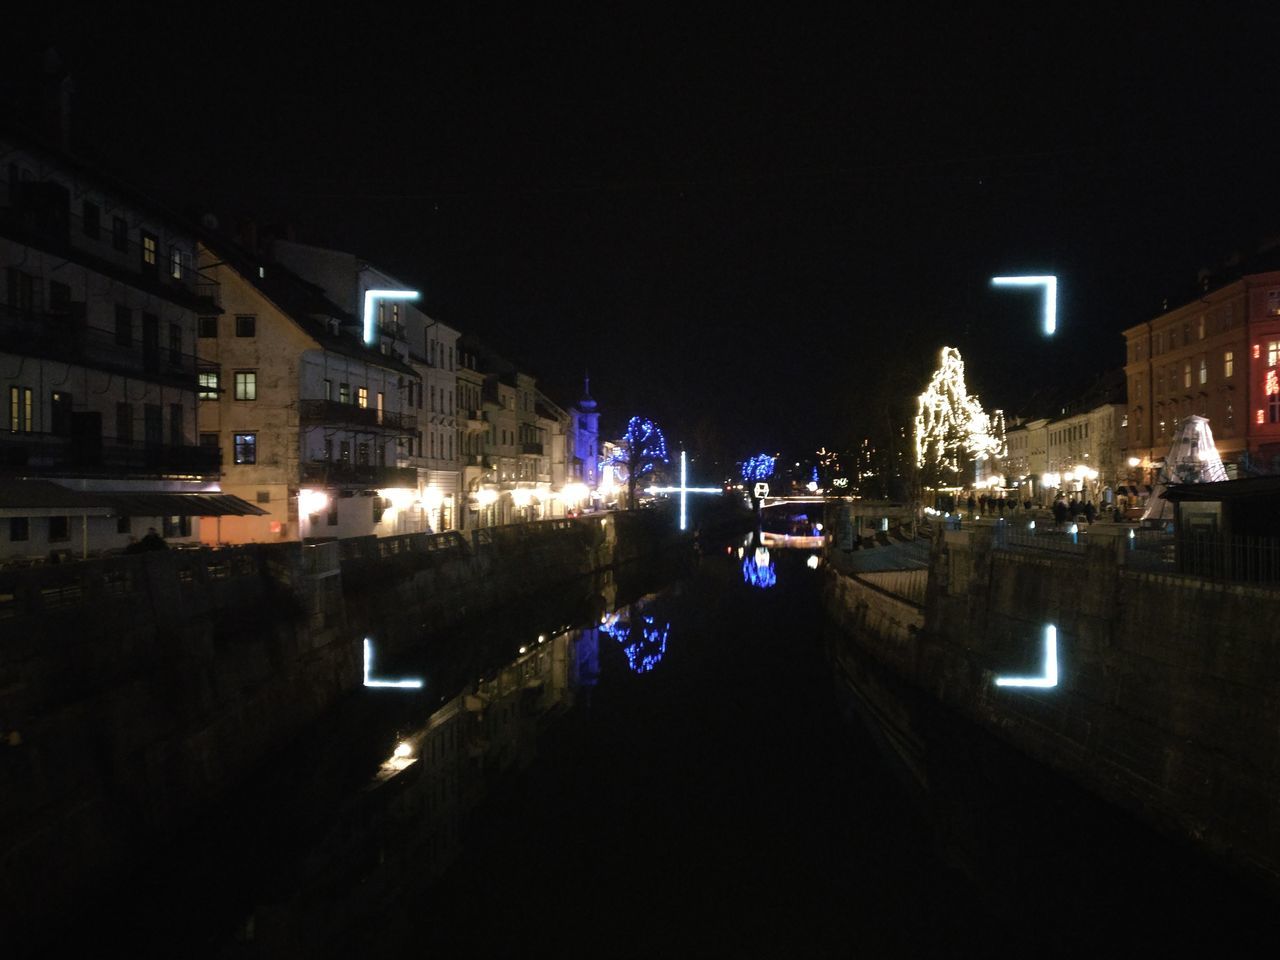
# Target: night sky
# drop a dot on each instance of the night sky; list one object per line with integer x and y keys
{"x": 748, "y": 228}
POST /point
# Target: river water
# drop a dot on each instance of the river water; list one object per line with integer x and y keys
{"x": 660, "y": 762}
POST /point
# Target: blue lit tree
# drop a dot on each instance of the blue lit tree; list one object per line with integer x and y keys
{"x": 757, "y": 469}
{"x": 643, "y": 447}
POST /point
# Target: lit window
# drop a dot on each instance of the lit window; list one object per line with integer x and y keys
{"x": 1204, "y": 370}
{"x": 1228, "y": 363}
{"x": 1186, "y": 374}
{"x": 362, "y": 397}
{"x": 149, "y": 249}
{"x": 208, "y": 384}
{"x": 175, "y": 263}
{"x": 246, "y": 447}
{"x": 1200, "y": 328}
{"x": 246, "y": 385}
{"x": 1273, "y": 352}
{"x": 20, "y": 409}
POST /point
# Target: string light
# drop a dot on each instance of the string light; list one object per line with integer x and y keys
{"x": 758, "y": 468}
{"x": 950, "y": 421}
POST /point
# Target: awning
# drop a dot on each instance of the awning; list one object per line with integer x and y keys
{"x": 179, "y": 505}
{"x": 45, "y": 498}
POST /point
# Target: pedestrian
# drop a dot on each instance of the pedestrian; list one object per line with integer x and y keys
{"x": 1089, "y": 513}
{"x": 973, "y": 504}
{"x": 152, "y": 541}
{"x": 1059, "y": 511}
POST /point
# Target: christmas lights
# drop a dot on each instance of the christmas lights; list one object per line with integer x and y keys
{"x": 949, "y": 421}
{"x": 758, "y": 468}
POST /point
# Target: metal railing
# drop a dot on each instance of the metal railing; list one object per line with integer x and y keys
{"x": 339, "y": 472}
{"x": 56, "y": 455}
{"x": 68, "y": 336}
{"x": 332, "y": 411}
{"x": 1237, "y": 559}
{"x": 1041, "y": 536}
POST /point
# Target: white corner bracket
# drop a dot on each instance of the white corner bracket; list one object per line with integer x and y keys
{"x": 1050, "y": 285}
{"x": 409, "y": 683}
{"x": 371, "y": 298}
{"x": 1050, "y": 678}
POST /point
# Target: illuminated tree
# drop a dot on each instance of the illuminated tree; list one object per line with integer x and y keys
{"x": 757, "y": 469}
{"x": 641, "y": 449}
{"x": 951, "y": 425}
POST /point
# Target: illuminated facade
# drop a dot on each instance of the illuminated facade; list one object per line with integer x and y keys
{"x": 1082, "y": 454}
{"x": 308, "y": 417}
{"x": 1196, "y": 359}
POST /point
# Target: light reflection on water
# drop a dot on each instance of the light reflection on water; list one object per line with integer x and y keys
{"x": 643, "y": 641}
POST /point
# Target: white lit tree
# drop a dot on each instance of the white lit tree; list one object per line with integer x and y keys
{"x": 951, "y": 426}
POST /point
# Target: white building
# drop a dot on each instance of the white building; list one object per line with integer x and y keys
{"x": 97, "y": 361}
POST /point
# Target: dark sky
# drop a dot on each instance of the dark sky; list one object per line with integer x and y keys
{"x": 742, "y": 227}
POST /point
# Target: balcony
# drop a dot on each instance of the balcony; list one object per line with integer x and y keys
{"x": 531, "y": 448}
{"x": 339, "y": 473}
{"x": 66, "y": 336}
{"x": 41, "y": 216}
{"x": 316, "y": 412}
{"x": 46, "y": 454}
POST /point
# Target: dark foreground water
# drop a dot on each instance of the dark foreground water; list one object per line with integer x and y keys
{"x": 673, "y": 771}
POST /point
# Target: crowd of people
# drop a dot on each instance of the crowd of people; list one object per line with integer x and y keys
{"x": 1064, "y": 510}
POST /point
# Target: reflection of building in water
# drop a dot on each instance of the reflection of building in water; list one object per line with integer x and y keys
{"x": 404, "y": 828}
{"x": 643, "y": 638}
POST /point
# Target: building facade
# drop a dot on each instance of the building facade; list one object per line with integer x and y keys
{"x": 97, "y": 359}
{"x": 308, "y": 418}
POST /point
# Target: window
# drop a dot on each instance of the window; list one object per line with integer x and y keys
{"x": 264, "y": 496}
{"x": 59, "y": 297}
{"x": 208, "y": 386}
{"x": 149, "y": 247}
{"x": 1200, "y": 328}
{"x": 246, "y": 326}
{"x": 124, "y": 326}
{"x": 344, "y": 451}
{"x": 175, "y": 345}
{"x": 1204, "y": 371}
{"x": 119, "y": 233}
{"x": 20, "y": 408}
{"x": 176, "y": 436}
{"x": 124, "y": 423}
{"x": 1228, "y": 363}
{"x": 1186, "y": 374}
{"x": 362, "y": 454}
{"x": 59, "y": 529}
{"x": 152, "y": 424}
{"x": 328, "y": 389}
{"x": 209, "y": 441}
{"x": 207, "y": 328}
{"x": 1273, "y": 408}
{"x": 328, "y": 449}
{"x": 246, "y": 448}
{"x": 177, "y": 526}
{"x": 175, "y": 263}
{"x": 91, "y": 222}
{"x": 344, "y": 393}
{"x": 362, "y": 397}
{"x": 1273, "y": 352}
{"x": 123, "y": 525}
{"x": 1273, "y": 302}
{"x": 246, "y": 385}
{"x": 332, "y": 518}
{"x": 19, "y": 528}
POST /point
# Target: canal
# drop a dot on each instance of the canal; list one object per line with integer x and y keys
{"x": 661, "y": 762}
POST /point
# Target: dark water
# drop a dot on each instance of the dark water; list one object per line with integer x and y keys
{"x": 673, "y": 771}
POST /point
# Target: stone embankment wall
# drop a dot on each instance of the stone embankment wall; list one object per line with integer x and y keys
{"x": 145, "y": 687}
{"x": 1168, "y": 700}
